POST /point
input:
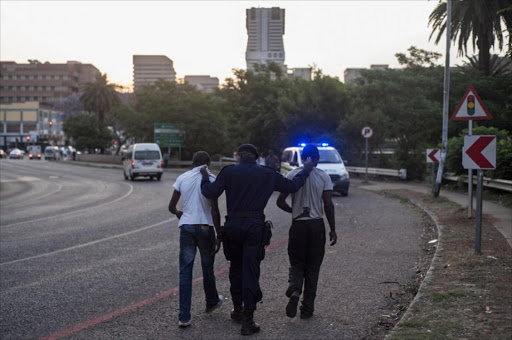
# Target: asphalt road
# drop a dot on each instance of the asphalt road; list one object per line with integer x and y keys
{"x": 85, "y": 254}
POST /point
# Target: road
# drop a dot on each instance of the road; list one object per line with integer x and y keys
{"x": 85, "y": 254}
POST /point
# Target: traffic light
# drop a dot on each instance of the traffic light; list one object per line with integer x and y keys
{"x": 471, "y": 105}
{"x": 51, "y": 123}
{"x": 28, "y": 139}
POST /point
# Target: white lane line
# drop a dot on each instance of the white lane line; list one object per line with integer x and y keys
{"x": 71, "y": 212}
{"x": 88, "y": 243}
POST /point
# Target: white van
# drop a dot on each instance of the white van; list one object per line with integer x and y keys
{"x": 330, "y": 162}
{"x": 144, "y": 159}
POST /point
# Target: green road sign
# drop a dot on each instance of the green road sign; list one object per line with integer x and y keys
{"x": 168, "y": 135}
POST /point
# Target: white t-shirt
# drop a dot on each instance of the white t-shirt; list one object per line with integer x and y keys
{"x": 196, "y": 207}
{"x": 309, "y": 197}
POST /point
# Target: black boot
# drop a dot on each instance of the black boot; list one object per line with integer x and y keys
{"x": 248, "y": 325}
{"x": 237, "y": 314}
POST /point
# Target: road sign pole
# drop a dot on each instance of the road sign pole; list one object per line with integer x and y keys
{"x": 446, "y": 96}
{"x": 478, "y": 220}
{"x": 433, "y": 180}
{"x": 470, "y": 177}
{"x": 366, "y": 155}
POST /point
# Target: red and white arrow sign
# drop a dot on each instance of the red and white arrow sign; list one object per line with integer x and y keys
{"x": 479, "y": 152}
{"x": 433, "y": 155}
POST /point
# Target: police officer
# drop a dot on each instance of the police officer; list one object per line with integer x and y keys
{"x": 248, "y": 188}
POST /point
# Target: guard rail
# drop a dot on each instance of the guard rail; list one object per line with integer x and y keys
{"x": 499, "y": 184}
{"x": 400, "y": 173}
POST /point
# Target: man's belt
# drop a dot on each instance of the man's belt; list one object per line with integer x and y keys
{"x": 247, "y": 214}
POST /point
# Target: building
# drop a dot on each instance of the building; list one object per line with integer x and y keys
{"x": 265, "y": 30}
{"x": 203, "y": 83}
{"x": 353, "y": 73}
{"x": 43, "y": 82}
{"x": 147, "y": 69}
{"x": 39, "y": 121}
{"x": 301, "y": 72}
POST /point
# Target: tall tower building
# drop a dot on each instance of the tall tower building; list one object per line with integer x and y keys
{"x": 149, "y": 68}
{"x": 265, "y": 30}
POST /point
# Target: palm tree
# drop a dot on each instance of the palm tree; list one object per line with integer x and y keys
{"x": 100, "y": 96}
{"x": 477, "y": 21}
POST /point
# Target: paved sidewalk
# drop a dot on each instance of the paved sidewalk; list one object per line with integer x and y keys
{"x": 502, "y": 214}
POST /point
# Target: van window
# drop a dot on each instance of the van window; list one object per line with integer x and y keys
{"x": 286, "y": 156}
{"x": 294, "y": 160}
{"x": 329, "y": 156}
{"x": 147, "y": 155}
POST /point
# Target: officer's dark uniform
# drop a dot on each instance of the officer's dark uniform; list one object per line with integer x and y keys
{"x": 248, "y": 188}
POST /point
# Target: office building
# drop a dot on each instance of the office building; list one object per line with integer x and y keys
{"x": 305, "y": 73}
{"x": 203, "y": 83}
{"x": 147, "y": 69}
{"x": 353, "y": 73}
{"x": 265, "y": 30}
{"x": 43, "y": 82}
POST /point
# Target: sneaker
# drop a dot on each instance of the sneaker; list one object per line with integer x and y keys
{"x": 219, "y": 303}
{"x": 184, "y": 324}
{"x": 291, "y": 307}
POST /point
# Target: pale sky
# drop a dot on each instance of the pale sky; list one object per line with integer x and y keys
{"x": 209, "y": 37}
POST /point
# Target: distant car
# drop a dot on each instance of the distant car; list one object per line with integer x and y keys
{"x": 52, "y": 152}
{"x": 15, "y": 154}
{"x": 3, "y": 154}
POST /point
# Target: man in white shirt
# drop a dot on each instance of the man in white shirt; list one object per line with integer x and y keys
{"x": 196, "y": 222}
{"x": 306, "y": 243}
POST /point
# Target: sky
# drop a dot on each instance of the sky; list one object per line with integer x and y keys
{"x": 210, "y": 37}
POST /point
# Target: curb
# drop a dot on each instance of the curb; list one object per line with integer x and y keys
{"x": 436, "y": 259}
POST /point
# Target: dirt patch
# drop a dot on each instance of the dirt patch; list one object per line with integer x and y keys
{"x": 468, "y": 296}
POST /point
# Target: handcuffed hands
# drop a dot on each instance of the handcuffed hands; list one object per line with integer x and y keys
{"x": 333, "y": 237}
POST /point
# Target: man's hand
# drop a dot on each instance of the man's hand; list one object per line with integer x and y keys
{"x": 218, "y": 243}
{"x": 333, "y": 237}
{"x": 204, "y": 171}
{"x": 308, "y": 164}
{"x": 179, "y": 213}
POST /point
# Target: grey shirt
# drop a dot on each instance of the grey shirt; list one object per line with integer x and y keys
{"x": 307, "y": 202}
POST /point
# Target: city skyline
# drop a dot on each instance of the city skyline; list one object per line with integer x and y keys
{"x": 210, "y": 37}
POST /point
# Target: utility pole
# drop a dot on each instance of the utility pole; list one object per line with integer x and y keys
{"x": 446, "y": 97}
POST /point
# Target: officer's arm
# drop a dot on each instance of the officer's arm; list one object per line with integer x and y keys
{"x": 329, "y": 214}
{"x": 281, "y": 202}
{"x": 291, "y": 186}
{"x": 213, "y": 189}
{"x": 174, "y": 201}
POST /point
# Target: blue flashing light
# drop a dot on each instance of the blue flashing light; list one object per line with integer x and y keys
{"x": 302, "y": 144}
{"x": 325, "y": 144}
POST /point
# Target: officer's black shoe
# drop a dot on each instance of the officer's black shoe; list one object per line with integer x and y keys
{"x": 237, "y": 315}
{"x": 248, "y": 325}
{"x": 291, "y": 307}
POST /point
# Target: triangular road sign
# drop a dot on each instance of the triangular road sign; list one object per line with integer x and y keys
{"x": 471, "y": 107}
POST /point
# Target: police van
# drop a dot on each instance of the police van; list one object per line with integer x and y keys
{"x": 330, "y": 162}
{"x": 143, "y": 160}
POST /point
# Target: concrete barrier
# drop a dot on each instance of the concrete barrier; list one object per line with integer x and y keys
{"x": 105, "y": 159}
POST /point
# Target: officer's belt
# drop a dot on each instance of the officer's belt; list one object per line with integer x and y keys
{"x": 247, "y": 214}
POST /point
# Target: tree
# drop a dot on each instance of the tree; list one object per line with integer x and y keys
{"x": 87, "y": 132}
{"x": 475, "y": 21}
{"x": 100, "y": 96}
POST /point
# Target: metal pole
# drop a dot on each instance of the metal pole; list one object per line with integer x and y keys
{"x": 446, "y": 96}
{"x": 433, "y": 180}
{"x": 366, "y": 155}
{"x": 478, "y": 220}
{"x": 470, "y": 177}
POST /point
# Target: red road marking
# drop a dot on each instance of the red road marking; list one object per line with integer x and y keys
{"x": 148, "y": 301}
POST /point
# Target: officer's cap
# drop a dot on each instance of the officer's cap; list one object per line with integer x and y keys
{"x": 248, "y": 148}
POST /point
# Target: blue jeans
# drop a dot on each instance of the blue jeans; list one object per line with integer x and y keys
{"x": 193, "y": 236}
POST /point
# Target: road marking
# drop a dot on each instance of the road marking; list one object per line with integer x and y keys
{"x": 71, "y": 212}
{"x": 148, "y": 301}
{"x": 88, "y": 243}
{"x": 21, "y": 179}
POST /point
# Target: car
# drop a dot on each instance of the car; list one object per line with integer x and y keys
{"x": 3, "y": 154}
{"x": 52, "y": 153}
{"x": 16, "y": 154}
{"x": 143, "y": 159}
{"x": 330, "y": 162}
{"x": 34, "y": 152}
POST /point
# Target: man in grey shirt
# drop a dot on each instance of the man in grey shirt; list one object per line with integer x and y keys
{"x": 306, "y": 244}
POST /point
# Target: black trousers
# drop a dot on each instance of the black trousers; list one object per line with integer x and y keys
{"x": 306, "y": 249}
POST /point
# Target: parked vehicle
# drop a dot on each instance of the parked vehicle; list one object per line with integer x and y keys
{"x": 34, "y": 152}
{"x": 3, "y": 154}
{"x": 16, "y": 154}
{"x": 52, "y": 153}
{"x": 330, "y": 162}
{"x": 143, "y": 159}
